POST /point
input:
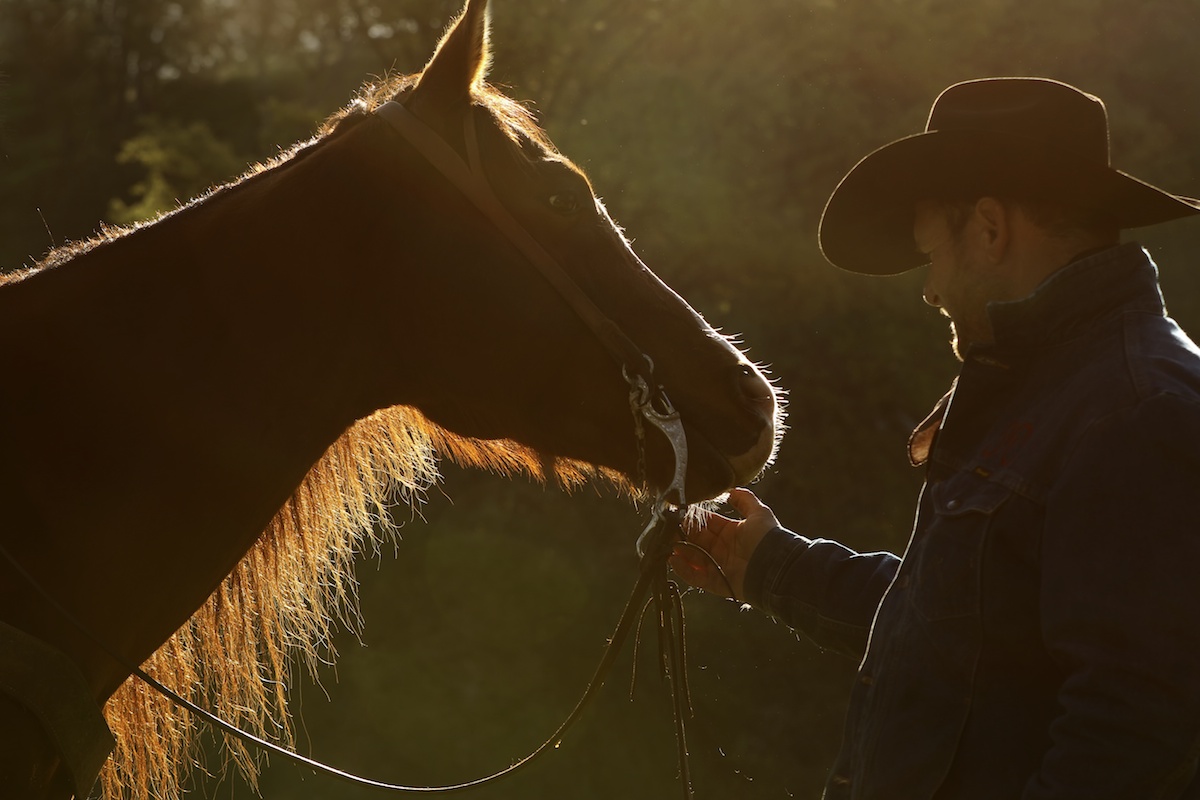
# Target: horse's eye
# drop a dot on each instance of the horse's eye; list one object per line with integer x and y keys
{"x": 564, "y": 202}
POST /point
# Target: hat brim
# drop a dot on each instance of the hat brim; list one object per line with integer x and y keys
{"x": 867, "y": 224}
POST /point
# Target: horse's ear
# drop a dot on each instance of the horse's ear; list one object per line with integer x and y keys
{"x": 460, "y": 62}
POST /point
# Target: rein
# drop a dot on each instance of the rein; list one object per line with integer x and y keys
{"x": 661, "y": 531}
{"x": 648, "y": 404}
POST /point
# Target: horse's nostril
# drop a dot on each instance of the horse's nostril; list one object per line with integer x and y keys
{"x": 754, "y": 390}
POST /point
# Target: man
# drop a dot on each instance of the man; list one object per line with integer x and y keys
{"x": 1040, "y": 637}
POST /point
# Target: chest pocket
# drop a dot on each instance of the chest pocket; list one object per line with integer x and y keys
{"x": 948, "y": 550}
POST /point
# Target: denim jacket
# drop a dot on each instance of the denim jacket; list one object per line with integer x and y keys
{"x": 1040, "y": 637}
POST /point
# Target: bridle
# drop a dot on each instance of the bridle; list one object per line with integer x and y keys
{"x": 647, "y": 400}
{"x": 648, "y": 404}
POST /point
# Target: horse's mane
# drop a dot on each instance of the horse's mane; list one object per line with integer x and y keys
{"x": 297, "y": 583}
{"x": 287, "y": 594}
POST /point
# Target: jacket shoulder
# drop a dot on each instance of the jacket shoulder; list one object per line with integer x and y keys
{"x": 1160, "y": 358}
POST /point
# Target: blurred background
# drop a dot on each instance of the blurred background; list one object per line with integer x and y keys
{"x": 714, "y": 130}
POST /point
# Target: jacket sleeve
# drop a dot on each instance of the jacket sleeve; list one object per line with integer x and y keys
{"x": 1121, "y": 608}
{"x": 819, "y": 588}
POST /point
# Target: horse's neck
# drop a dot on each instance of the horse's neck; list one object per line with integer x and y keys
{"x": 172, "y": 387}
{"x": 231, "y": 313}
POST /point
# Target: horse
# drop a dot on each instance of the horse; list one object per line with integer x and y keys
{"x": 205, "y": 417}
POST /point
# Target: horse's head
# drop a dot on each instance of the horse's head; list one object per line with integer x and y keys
{"x": 511, "y": 357}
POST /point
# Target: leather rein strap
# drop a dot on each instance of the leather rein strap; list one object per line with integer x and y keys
{"x": 663, "y": 533}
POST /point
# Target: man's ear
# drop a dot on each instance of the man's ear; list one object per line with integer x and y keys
{"x": 458, "y": 65}
{"x": 993, "y": 227}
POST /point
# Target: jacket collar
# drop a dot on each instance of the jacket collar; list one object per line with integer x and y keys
{"x": 1119, "y": 278}
{"x": 1122, "y": 277}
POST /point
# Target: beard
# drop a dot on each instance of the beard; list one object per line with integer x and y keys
{"x": 966, "y": 332}
{"x": 957, "y": 343}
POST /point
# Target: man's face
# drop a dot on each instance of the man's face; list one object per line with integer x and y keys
{"x": 959, "y": 281}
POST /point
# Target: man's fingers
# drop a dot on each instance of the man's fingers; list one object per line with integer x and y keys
{"x": 688, "y": 564}
{"x": 706, "y": 529}
{"x": 695, "y": 569}
{"x": 727, "y": 542}
{"x": 745, "y": 502}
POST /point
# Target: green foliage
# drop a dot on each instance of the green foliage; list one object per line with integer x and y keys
{"x": 180, "y": 161}
{"x": 714, "y": 130}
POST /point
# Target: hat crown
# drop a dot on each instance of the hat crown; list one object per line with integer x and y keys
{"x": 1048, "y": 114}
{"x": 1020, "y": 139}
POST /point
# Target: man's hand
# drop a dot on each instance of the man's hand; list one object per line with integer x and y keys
{"x": 730, "y": 542}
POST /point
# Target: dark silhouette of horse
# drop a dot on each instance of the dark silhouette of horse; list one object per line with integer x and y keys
{"x": 203, "y": 417}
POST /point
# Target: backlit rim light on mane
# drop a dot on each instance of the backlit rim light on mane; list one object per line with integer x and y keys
{"x": 286, "y": 596}
{"x": 288, "y": 593}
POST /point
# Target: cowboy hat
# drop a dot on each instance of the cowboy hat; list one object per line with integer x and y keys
{"x": 1016, "y": 138}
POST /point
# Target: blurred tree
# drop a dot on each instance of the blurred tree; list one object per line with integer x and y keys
{"x": 78, "y": 74}
{"x": 180, "y": 161}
